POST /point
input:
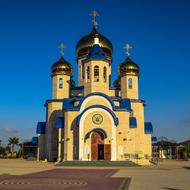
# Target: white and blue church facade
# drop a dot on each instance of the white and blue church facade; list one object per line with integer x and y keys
{"x": 95, "y": 120}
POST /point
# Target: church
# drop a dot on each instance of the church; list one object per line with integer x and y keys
{"x": 95, "y": 120}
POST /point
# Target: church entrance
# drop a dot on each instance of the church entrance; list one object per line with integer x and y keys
{"x": 99, "y": 150}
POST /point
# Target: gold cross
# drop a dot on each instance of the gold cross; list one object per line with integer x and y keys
{"x": 127, "y": 47}
{"x": 62, "y": 47}
{"x": 94, "y": 14}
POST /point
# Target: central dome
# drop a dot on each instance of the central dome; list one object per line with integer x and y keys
{"x": 85, "y": 43}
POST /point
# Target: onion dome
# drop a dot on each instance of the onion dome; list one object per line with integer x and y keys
{"x": 128, "y": 67}
{"x": 61, "y": 67}
{"x": 85, "y": 43}
{"x": 117, "y": 83}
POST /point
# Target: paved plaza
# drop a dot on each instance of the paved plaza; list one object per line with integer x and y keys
{"x": 32, "y": 175}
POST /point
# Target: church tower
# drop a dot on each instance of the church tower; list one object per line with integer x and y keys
{"x": 97, "y": 70}
{"x": 129, "y": 74}
{"x": 61, "y": 78}
{"x": 84, "y": 48}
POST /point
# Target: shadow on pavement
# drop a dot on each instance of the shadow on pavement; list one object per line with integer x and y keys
{"x": 188, "y": 168}
{"x": 169, "y": 188}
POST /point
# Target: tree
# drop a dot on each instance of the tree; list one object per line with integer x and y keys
{"x": 13, "y": 141}
{"x": 2, "y": 150}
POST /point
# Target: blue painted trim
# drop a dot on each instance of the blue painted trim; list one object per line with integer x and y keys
{"x": 98, "y": 94}
{"x": 125, "y": 104}
{"x": 114, "y": 88}
{"x": 154, "y": 139}
{"x": 116, "y": 121}
{"x": 137, "y": 100}
{"x": 41, "y": 128}
{"x": 96, "y": 53}
{"x": 68, "y": 104}
{"x": 60, "y": 122}
{"x": 77, "y": 88}
{"x": 35, "y": 140}
{"x": 148, "y": 129}
{"x": 132, "y": 122}
{"x": 96, "y": 129}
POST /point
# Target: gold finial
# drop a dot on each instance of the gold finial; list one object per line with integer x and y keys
{"x": 127, "y": 47}
{"x": 62, "y": 47}
{"x": 94, "y": 14}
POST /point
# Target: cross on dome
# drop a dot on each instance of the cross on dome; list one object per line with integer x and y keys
{"x": 94, "y": 14}
{"x": 62, "y": 47}
{"x": 127, "y": 47}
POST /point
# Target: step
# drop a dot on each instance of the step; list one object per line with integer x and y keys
{"x": 98, "y": 163}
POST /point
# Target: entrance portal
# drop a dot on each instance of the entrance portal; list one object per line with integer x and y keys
{"x": 99, "y": 150}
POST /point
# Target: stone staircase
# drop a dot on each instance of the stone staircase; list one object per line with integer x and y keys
{"x": 98, "y": 163}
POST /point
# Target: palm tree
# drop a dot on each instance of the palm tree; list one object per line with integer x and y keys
{"x": 13, "y": 141}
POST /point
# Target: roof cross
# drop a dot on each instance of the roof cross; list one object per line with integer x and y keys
{"x": 127, "y": 47}
{"x": 62, "y": 47}
{"x": 94, "y": 14}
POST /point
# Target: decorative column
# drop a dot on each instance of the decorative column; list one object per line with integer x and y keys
{"x": 59, "y": 159}
{"x": 60, "y": 126}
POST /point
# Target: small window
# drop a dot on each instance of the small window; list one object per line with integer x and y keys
{"x": 60, "y": 83}
{"x": 105, "y": 74}
{"x": 96, "y": 74}
{"x": 130, "y": 83}
{"x": 88, "y": 73}
{"x": 83, "y": 71}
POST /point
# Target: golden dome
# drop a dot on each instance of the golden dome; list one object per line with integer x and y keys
{"x": 128, "y": 67}
{"x": 61, "y": 67}
{"x": 85, "y": 43}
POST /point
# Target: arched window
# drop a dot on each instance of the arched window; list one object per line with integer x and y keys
{"x": 88, "y": 73}
{"x": 60, "y": 83}
{"x": 83, "y": 71}
{"x": 105, "y": 74}
{"x": 130, "y": 83}
{"x": 96, "y": 74}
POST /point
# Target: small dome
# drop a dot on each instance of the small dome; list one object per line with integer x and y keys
{"x": 61, "y": 67}
{"x": 128, "y": 67}
{"x": 85, "y": 43}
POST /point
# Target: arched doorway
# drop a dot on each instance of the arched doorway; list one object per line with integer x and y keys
{"x": 52, "y": 136}
{"x": 99, "y": 150}
{"x": 97, "y": 146}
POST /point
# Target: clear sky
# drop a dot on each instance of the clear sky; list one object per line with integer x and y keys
{"x": 30, "y": 32}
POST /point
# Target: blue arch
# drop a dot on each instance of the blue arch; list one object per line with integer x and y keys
{"x": 124, "y": 104}
{"x": 96, "y": 129}
{"x": 97, "y": 94}
{"x": 116, "y": 121}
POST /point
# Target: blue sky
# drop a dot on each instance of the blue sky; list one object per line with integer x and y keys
{"x": 30, "y": 32}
